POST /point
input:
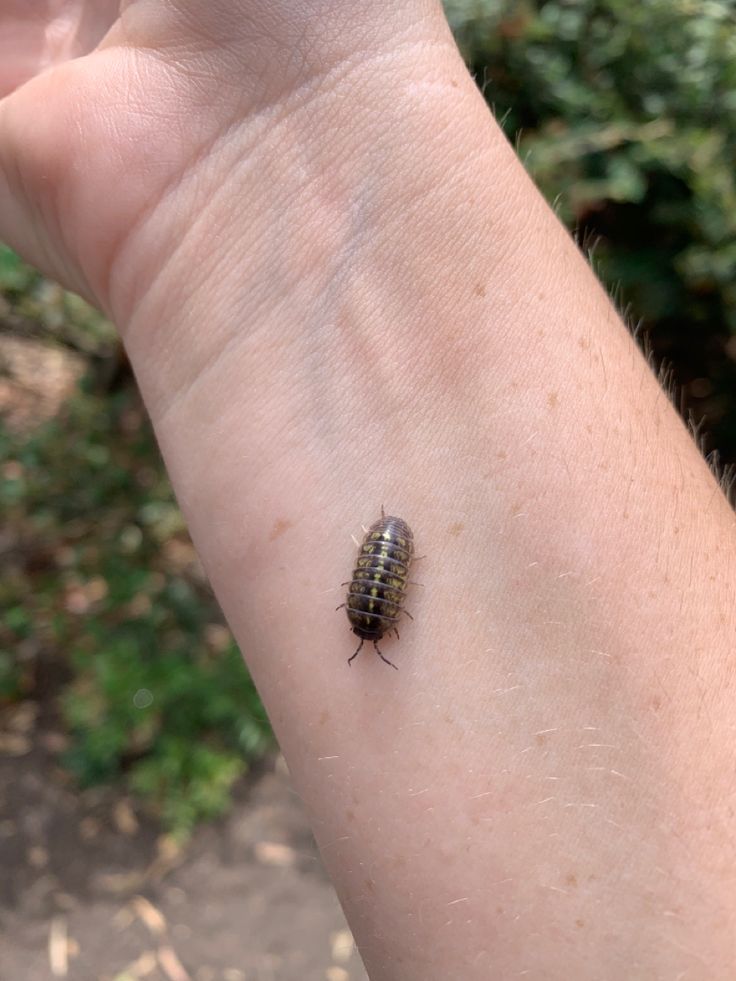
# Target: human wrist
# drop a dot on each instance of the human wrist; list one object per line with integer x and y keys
{"x": 280, "y": 220}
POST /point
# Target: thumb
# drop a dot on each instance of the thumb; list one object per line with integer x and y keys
{"x": 36, "y": 36}
{"x": 36, "y": 40}
{"x": 33, "y": 159}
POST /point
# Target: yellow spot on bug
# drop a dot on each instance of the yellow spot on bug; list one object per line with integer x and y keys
{"x": 377, "y": 591}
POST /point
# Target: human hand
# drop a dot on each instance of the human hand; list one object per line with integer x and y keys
{"x": 132, "y": 116}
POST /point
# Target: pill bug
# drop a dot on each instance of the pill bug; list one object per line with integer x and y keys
{"x": 377, "y": 590}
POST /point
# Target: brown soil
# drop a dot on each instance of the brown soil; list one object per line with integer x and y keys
{"x": 92, "y": 890}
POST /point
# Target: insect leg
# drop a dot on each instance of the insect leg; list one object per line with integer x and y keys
{"x": 340, "y": 607}
{"x": 357, "y": 652}
{"x": 407, "y": 613}
{"x": 375, "y": 645}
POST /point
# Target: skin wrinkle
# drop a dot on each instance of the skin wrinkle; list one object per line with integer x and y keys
{"x": 226, "y": 351}
{"x": 236, "y": 344}
{"x": 149, "y": 214}
{"x": 141, "y": 313}
{"x": 299, "y": 98}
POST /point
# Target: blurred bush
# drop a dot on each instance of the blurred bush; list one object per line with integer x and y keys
{"x": 101, "y": 590}
{"x": 624, "y": 113}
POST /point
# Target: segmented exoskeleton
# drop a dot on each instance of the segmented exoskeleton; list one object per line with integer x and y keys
{"x": 377, "y": 590}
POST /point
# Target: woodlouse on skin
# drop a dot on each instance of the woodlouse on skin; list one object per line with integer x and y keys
{"x": 377, "y": 590}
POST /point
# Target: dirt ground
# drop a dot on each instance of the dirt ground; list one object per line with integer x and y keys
{"x": 90, "y": 890}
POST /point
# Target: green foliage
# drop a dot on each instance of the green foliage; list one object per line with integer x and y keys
{"x": 105, "y": 581}
{"x": 16, "y": 278}
{"x": 625, "y": 114}
{"x": 63, "y": 315}
{"x": 10, "y": 677}
{"x": 190, "y": 782}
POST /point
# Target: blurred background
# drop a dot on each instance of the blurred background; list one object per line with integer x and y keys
{"x": 128, "y": 724}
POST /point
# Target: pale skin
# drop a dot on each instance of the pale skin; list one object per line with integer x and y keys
{"x": 339, "y": 290}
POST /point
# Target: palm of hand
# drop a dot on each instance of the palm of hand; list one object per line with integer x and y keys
{"x": 107, "y": 109}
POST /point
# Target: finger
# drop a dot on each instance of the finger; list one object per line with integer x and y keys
{"x": 35, "y": 36}
{"x": 96, "y": 19}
